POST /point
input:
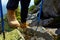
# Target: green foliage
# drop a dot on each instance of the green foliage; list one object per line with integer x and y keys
{"x": 36, "y": 2}
{"x": 18, "y": 13}
{"x": 32, "y": 7}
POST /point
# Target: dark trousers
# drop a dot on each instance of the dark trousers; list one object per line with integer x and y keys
{"x": 13, "y": 4}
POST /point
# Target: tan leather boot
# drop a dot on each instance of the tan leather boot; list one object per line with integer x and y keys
{"x": 24, "y": 25}
{"x": 12, "y": 19}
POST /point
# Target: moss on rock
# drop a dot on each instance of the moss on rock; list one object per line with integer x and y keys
{"x": 13, "y": 35}
{"x": 36, "y": 2}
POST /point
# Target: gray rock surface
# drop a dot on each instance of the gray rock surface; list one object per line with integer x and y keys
{"x": 50, "y": 8}
{"x": 50, "y": 11}
{"x": 40, "y": 33}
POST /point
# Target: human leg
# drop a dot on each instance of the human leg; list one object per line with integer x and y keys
{"x": 11, "y": 6}
{"x": 24, "y": 12}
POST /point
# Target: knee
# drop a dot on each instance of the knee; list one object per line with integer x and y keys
{"x": 11, "y": 7}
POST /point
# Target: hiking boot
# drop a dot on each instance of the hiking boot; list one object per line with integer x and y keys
{"x": 12, "y": 21}
{"x": 24, "y": 25}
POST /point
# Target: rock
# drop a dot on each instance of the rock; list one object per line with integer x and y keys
{"x": 55, "y": 23}
{"x": 38, "y": 34}
{"x": 57, "y": 5}
{"x": 44, "y": 23}
{"x": 58, "y": 31}
{"x": 31, "y": 16}
{"x": 50, "y": 8}
{"x": 47, "y": 21}
{"x": 13, "y": 35}
{"x": 52, "y": 31}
